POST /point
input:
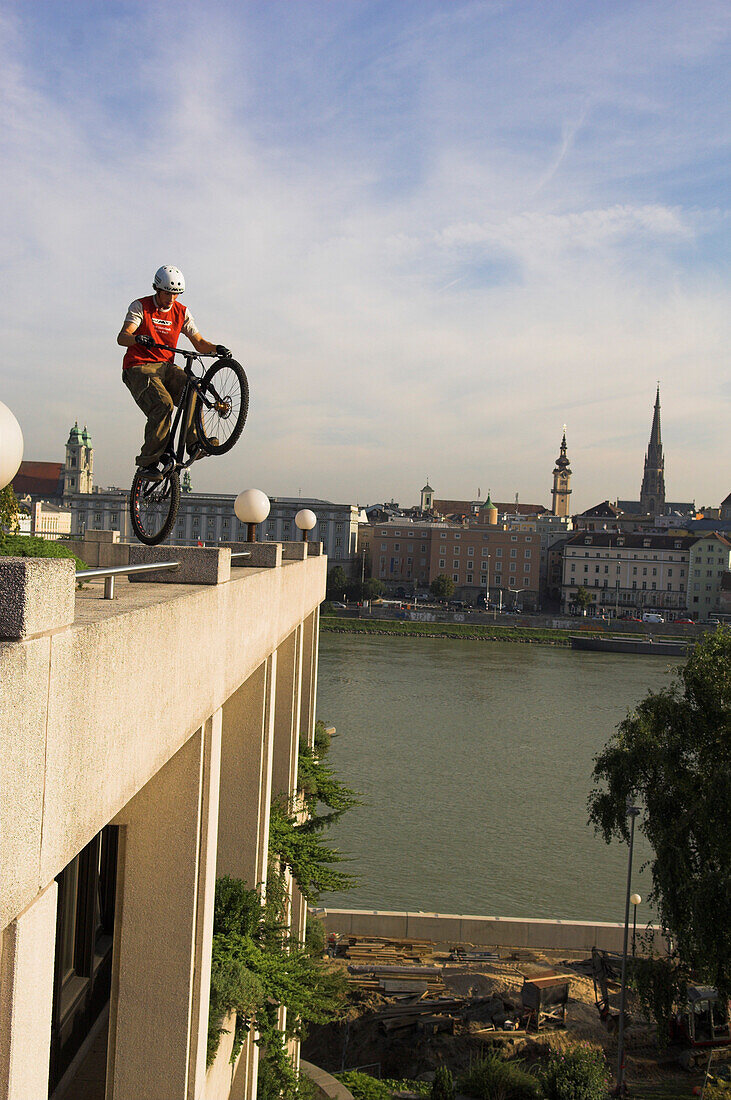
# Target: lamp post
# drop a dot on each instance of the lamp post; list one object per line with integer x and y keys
{"x": 305, "y": 520}
{"x": 516, "y": 592}
{"x": 11, "y": 446}
{"x": 487, "y": 585}
{"x": 252, "y": 507}
{"x": 632, "y": 812}
{"x": 635, "y": 899}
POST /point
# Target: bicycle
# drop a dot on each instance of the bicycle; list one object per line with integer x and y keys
{"x": 221, "y": 398}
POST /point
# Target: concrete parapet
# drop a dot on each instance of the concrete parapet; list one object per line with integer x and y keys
{"x": 36, "y": 595}
{"x": 198, "y": 564}
{"x": 264, "y": 555}
{"x": 560, "y": 935}
{"x": 326, "y": 1086}
{"x": 294, "y": 551}
{"x": 100, "y": 549}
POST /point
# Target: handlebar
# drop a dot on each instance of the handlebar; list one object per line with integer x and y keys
{"x": 188, "y": 354}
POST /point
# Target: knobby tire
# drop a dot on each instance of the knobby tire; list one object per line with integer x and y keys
{"x": 227, "y": 380}
{"x": 153, "y": 524}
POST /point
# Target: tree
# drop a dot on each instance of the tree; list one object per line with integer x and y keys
{"x": 442, "y": 587}
{"x": 337, "y": 583}
{"x": 583, "y": 598}
{"x": 372, "y": 588}
{"x": 8, "y": 512}
{"x": 673, "y": 756}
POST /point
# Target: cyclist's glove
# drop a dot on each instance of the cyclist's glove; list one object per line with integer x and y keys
{"x": 146, "y": 341}
{"x": 222, "y": 352}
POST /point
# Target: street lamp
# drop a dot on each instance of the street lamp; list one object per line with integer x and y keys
{"x": 11, "y": 446}
{"x": 635, "y": 899}
{"x": 252, "y": 507}
{"x": 632, "y": 812}
{"x": 305, "y": 520}
{"x": 516, "y": 592}
{"x": 487, "y": 584}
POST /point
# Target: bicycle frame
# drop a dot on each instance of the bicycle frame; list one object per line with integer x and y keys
{"x": 176, "y": 452}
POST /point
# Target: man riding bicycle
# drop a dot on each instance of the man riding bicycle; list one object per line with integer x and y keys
{"x": 149, "y": 372}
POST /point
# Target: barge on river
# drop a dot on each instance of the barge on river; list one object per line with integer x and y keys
{"x": 600, "y": 644}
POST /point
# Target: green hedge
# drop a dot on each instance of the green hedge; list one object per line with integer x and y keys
{"x": 27, "y": 546}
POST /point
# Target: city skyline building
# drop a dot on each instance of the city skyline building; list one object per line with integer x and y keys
{"x": 652, "y": 491}
{"x": 561, "y": 481}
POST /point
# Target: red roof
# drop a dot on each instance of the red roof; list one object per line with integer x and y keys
{"x": 41, "y": 479}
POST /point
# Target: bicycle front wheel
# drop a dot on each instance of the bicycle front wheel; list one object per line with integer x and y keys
{"x": 221, "y": 414}
{"x": 153, "y": 506}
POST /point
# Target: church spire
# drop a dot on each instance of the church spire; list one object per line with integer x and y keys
{"x": 561, "y": 481}
{"x": 652, "y": 493}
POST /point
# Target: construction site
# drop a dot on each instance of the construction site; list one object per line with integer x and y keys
{"x": 415, "y": 1005}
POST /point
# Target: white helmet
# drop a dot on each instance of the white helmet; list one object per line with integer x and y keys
{"x": 170, "y": 279}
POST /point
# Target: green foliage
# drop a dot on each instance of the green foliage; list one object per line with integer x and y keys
{"x": 337, "y": 583}
{"x": 372, "y": 588}
{"x": 27, "y": 546}
{"x": 365, "y": 1087}
{"x": 579, "y": 1073}
{"x": 254, "y": 970}
{"x": 583, "y": 597}
{"x": 673, "y": 755}
{"x": 493, "y": 1078}
{"x": 326, "y": 608}
{"x": 8, "y": 514}
{"x": 660, "y": 984}
{"x": 319, "y": 784}
{"x": 465, "y": 631}
{"x": 443, "y": 1084}
{"x": 322, "y": 739}
{"x": 442, "y": 587}
{"x": 299, "y": 847}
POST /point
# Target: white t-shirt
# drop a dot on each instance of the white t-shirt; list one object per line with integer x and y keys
{"x": 134, "y": 317}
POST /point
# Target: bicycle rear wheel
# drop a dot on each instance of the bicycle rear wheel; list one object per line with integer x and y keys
{"x": 153, "y": 506}
{"x": 226, "y": 387}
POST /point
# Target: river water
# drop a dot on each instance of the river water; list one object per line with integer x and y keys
{"x": 474, "y": 760}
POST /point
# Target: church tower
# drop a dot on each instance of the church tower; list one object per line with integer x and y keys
{"x": 652, "y": 493}
{"x": 561, "y": 481}
{"x": 427, "y": 497}
{"x": 79, "y": 468}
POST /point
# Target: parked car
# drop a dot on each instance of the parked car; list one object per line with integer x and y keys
{"x": 339, "y": 605}
{"x": 684, "y": 622}
{"x": 652, "y": 617}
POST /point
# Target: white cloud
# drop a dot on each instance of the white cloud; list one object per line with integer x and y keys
{"x": 404, "y": 307}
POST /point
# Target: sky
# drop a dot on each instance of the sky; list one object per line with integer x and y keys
{"x": 433, "y": 233}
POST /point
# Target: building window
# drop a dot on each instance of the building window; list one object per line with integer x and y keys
{"x": 442, "y": 563}
{"x": 469, "y": 578}
{"x": 470, "y": 551}
{"x": 455, "y": 576}
{"x": 455, "y": 564}
{"x": 498, "y": 579}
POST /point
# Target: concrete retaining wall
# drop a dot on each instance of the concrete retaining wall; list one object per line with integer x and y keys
{"x": 452, "y": 928}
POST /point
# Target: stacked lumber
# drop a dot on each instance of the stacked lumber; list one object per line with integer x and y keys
{"x": 422, "y": 980}
{"x": 381, "y": 951}
{"x": 433, "y": 1015}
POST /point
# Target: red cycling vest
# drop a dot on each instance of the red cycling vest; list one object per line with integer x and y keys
{"x": 164, "y": 326}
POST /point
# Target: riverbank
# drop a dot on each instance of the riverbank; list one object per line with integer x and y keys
{"x": 462, "y": 631}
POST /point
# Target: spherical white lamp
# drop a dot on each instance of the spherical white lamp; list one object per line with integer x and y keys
{"x": 305, "y": 520}
{"x": 11, "y": 446}
{"x": 252, "y": 507}
{"x": 635, "y": 899}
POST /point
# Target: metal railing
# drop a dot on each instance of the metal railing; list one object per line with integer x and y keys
{"x": 110, "y": 572}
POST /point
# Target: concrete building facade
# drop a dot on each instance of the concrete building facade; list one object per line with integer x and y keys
{"x": 478, "y": 558}
{"x": 143, "y": 740}
{"x": 209, "y": 518}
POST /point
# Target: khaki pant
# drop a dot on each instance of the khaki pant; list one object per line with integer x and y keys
{"x": 157, "y": 389}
